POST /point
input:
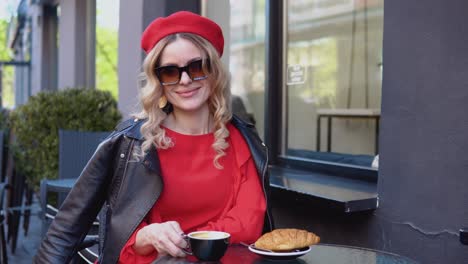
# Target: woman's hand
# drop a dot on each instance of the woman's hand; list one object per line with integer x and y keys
{"x": 164, "y": 237}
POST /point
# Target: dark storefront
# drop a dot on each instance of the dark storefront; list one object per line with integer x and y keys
{"x": 422, "y": 203}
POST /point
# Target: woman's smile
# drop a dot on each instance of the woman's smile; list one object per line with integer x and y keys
{"x": 187, "y": 93}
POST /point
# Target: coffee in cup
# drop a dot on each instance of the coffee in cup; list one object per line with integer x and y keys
{"x": 207, "y": 245}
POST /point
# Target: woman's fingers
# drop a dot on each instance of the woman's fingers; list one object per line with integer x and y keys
{"x": 173, "y": 249}
{"x": 176, "y": 236}
{"x": 166, "y": 238}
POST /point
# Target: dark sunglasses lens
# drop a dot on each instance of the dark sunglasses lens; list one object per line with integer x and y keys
{"x": 168, "y": 74}
{"x": 195, "y": 70}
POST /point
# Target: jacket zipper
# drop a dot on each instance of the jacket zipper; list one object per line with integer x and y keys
{"x": 263, "y": 185}
{"x": 125, "y": 170}
{"x": 114, "y": 197}
{"x": 141, "y": 218}
{"x": 146, "y": 209}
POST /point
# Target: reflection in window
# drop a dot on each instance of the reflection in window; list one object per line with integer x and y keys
{"x": 247, "y": 57}
{"x": 334, "y": 51}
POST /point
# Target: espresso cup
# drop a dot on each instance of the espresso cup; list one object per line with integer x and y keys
{"x": 207, "y": 245}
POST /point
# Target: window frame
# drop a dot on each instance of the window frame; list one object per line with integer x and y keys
{"x": 276, "y": 104}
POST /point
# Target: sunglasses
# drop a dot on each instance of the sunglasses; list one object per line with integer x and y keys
{"x": 171, "y": 74}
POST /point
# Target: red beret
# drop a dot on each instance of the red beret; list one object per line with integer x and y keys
{"x": 182, "y": 22}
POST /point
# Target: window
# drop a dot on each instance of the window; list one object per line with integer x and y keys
{"x": 247, "y": 57}
{"x": 332, "y": 86}
{"x": 316, "y": 69}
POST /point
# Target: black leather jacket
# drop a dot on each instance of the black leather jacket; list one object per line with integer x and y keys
{"x": 127, "y": 186}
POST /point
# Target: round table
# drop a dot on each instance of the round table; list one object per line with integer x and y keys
{"x": 319, "y": 254}
{"x": 334, "y": 254}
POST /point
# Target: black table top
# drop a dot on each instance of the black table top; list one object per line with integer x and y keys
{"x": 319, "y": 254}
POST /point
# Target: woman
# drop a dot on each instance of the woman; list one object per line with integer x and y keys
{"x": 184, "y": 164}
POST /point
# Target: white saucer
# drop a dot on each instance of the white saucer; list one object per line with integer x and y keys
{"x": 280, "y": 255}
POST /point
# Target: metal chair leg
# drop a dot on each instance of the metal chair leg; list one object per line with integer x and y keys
{"x": 3, "y": 248}
{"x": 43, "y": 198}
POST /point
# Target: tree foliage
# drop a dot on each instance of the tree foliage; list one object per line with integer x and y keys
{"x": 4, "y": 53}
{"x": 106, "y": 60}
{"x": 7, "y": 94}
{"x": 37, "y": 122}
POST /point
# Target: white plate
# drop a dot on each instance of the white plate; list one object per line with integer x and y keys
{"x": 280, "y": 255}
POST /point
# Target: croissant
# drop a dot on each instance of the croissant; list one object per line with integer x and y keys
{"x": 286, "y": 239}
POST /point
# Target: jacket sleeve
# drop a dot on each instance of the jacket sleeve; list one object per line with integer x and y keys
{"x": 129, "y": 255}
{"x": 81, "y": 206}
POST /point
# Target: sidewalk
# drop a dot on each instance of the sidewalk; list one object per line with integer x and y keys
{"x": 27, "y": 245}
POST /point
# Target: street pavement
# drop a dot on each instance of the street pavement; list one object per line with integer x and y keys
{"x": 26, "y": 246}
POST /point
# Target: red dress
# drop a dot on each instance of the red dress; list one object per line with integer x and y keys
{"x": 200, "y": 197}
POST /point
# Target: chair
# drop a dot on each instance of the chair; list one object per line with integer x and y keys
{"x": 238, "y": 108}
{"x": 75, "y": 149}
{"x": 16, "y": 188}
{"x": 3, "y": 211}
{"x": 3, "y": 248}
{"x": 89, "y": 249}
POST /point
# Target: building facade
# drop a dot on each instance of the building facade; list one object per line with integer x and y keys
{"x": 361, "y": 154}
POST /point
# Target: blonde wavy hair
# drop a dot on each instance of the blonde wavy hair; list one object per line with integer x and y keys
{"x": 219, "y": 101}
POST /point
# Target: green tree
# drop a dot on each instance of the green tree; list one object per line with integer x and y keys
{"x": 7, "y": 94}
{"x": 106, "y": 60}
{"x": 37, "y": 122}
{"x": 4, "y": 53}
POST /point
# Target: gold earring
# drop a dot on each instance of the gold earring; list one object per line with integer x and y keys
{"x": 162, "y": 102}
